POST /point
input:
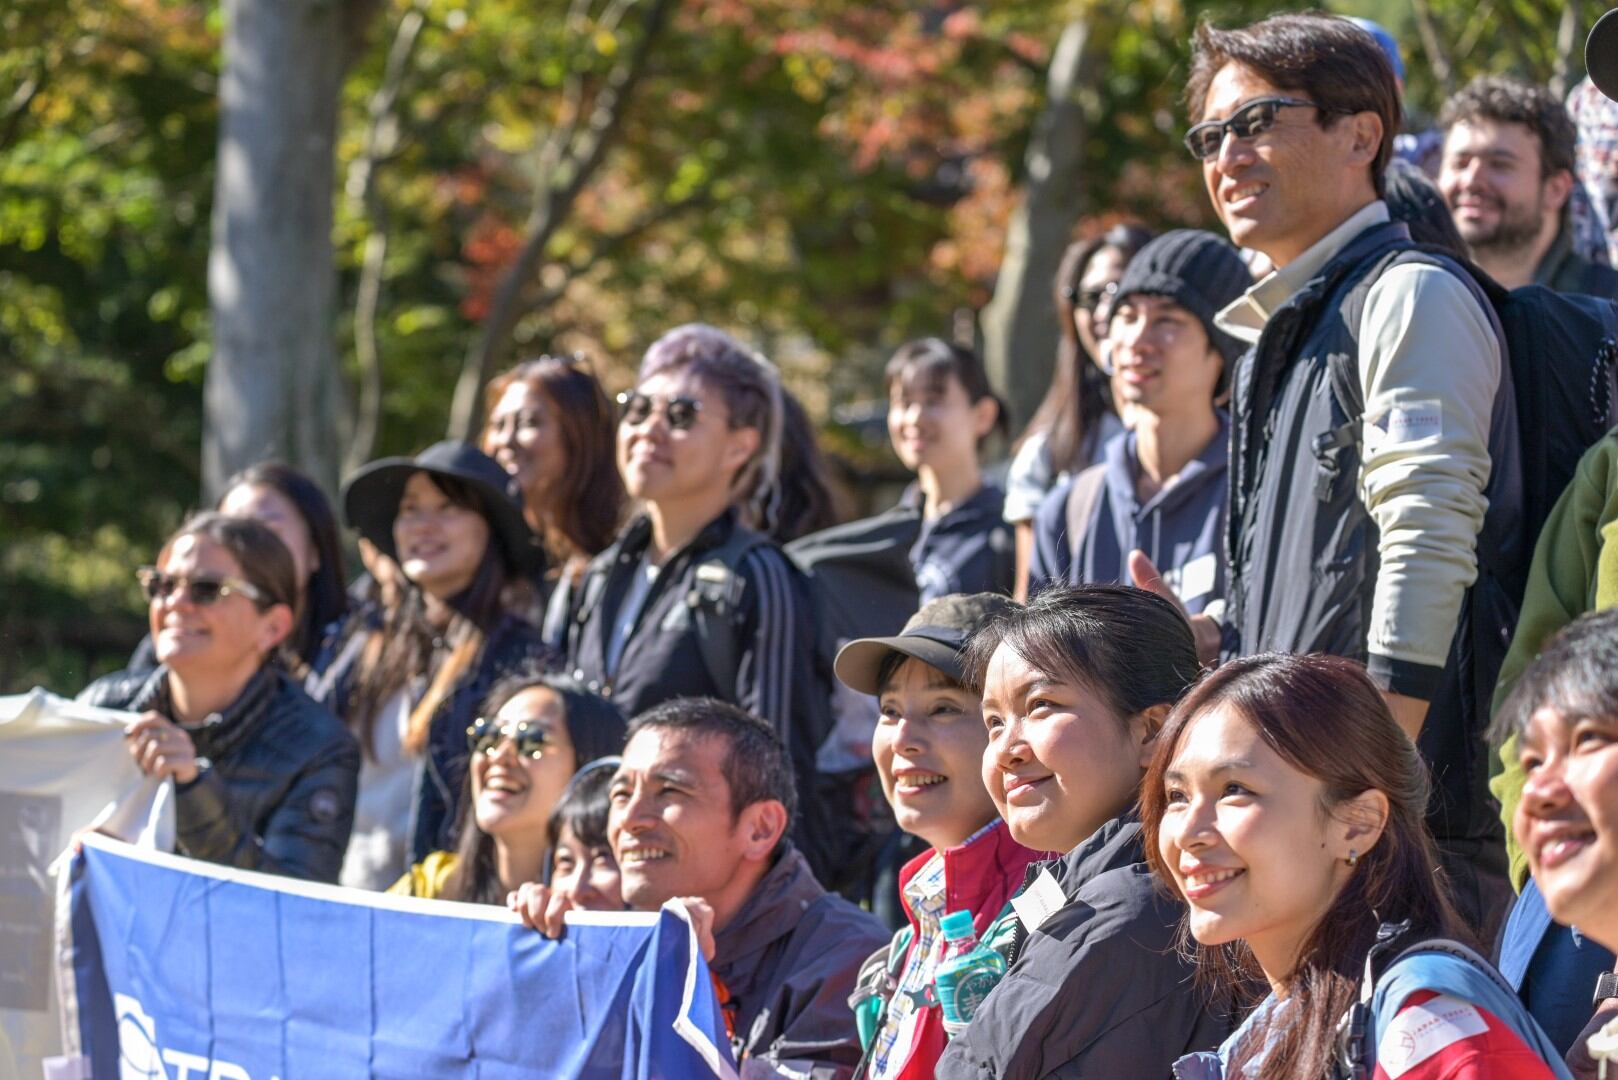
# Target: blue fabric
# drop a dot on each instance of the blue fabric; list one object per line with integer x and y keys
{"x": 176, "y": 969}
{"x": 1553, "y": 968}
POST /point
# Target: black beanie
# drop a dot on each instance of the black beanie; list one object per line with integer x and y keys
{"x": 1198, "y": 271}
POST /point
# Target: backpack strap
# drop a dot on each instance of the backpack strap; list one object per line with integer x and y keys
{"x": 1482, "y": 985}
{"x": 1081, "y": 505}
{"x": 715, "y": 596}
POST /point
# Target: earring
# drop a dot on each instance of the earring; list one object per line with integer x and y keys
{"x": 1353, "y": 857}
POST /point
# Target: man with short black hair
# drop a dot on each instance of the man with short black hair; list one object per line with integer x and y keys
{"x": 1507, "y": 175}
{"x": 701, "y": 808}
{"x": 1365, "y": 417}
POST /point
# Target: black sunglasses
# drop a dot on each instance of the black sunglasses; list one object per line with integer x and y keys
{"x": 680, "y": 413}
{"x": 200, "y": 591}
{"x": 484, "y": 734}
{"x": 1254, "y": 118}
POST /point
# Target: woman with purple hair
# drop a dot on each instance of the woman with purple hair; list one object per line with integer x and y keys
{"x": 693, "y": 599}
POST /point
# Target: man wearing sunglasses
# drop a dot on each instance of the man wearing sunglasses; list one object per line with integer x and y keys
{"x": 1366, "y": 410}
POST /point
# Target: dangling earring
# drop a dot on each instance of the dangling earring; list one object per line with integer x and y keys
{"x": 1353, "y": 857}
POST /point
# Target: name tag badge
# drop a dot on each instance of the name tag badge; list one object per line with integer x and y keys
{"x": 1039, "y": 901}
{"x": 1197, "y": 576}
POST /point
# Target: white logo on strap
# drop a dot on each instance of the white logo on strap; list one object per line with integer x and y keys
{"x": 1421, "y": 1031}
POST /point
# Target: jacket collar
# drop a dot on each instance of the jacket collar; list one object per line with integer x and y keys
{"x": 637, "y": 535}
{"x": 221, "y": 732}
{"x": 1244, "y": 318}
{"x": 990, "y": 856}
{"x": 1558, "y": 255}
{"x": 771, "y": 912}
{"x": 1116, "y": 844}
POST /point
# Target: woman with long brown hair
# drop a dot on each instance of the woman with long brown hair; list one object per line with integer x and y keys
{"x": 1075, "y": 419}
{"x": 446, "y": 518}
{"x": 551, "y": 427}
{"x": 1286, "y": 808}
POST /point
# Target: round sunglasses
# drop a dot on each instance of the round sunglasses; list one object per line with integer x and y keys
{"x": 680, "y": 413}
{"x": 484, "y": 735}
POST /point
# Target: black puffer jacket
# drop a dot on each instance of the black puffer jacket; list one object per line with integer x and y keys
{"x": 1098, "y": 991}
{"x": 277, "y": 792}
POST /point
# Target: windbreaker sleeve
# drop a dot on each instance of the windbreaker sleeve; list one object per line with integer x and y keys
{"x": 1430, "y": 365}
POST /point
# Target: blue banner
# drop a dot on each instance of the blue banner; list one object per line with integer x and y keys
{"x": 188, "y": 971}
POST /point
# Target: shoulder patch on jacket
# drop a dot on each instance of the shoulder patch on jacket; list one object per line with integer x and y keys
{"x": 1420, "y": 1031}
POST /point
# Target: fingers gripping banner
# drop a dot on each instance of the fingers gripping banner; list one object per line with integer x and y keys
{"x": 187, "y": 971}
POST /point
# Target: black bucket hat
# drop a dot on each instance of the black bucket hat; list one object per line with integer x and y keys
{"x": 934, "y": 635}
{"x": 371, "y": 500}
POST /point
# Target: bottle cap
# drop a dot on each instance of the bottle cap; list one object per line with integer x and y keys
{"x": 957, "y": 925}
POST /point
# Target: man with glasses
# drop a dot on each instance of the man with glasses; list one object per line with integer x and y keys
{"x": 1366, "y": 410}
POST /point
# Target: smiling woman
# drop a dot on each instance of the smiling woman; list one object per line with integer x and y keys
{"x": 1285, "y": 806}
{"x": 534, "y": 734}
{"x": 449, "y": 521}
{"x": 264, "y": 776}
{"x": 1075, "y": 686}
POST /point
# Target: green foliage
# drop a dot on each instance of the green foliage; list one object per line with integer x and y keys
{"x": 105, "y": 174}
{"x": 829, "y": 179}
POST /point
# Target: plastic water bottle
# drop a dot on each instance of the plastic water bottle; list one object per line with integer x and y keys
{"x": 968, "y": 973}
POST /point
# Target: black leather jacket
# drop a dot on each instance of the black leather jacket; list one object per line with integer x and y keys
{"x": 277, "y": 794}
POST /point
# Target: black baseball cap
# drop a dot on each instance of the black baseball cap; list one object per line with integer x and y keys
{"x": 934, "y": 635}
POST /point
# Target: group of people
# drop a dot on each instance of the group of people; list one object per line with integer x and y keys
{"x": 1189, "y": 708}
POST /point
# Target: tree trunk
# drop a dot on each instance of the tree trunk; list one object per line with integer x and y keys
{"x": 1019, "y": 324}
{"x": 273, "y": 387}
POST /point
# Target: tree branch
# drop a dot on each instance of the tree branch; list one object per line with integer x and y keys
{"x": 559, "y": 189}
{"x": 381, "y": 141}
{"x": 1432, "y": 43}
{"x": 607, "y": 246}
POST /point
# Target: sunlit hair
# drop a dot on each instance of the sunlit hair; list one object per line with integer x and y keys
{"x": 1325, "y": 718}
{"x": 751, "y": 387}
{"x": 584, "y": 511}
{"x": 1323, "y": 58}
{"x": 1576, "y": 674}
{"x": 1131, "y": 648}
{"x": 325, "y": 594}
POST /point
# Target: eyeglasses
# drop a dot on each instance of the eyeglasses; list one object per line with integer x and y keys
{"x": 201, "y": 591}
{"x": 680, "y": 413}
{"x": 1254, "y": 118}
{"x": 1091, "y": 299}
{"x": 485, "y": 733}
